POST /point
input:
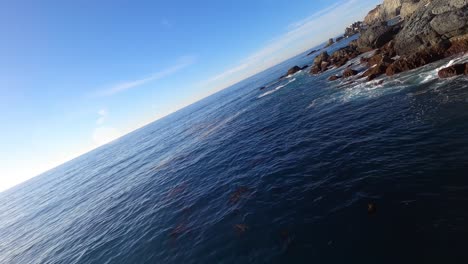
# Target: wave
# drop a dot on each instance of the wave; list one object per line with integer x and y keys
{"x": 276, "y": 89}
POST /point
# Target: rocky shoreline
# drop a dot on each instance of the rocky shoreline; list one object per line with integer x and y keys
{"x": 427, "y": 31}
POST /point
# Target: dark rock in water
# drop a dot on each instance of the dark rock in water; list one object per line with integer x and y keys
{"x": 293, "y": 70}
{"x": 375, "y": 71}
{"x": 376, "y": 36}
{"x": 341, "y": 56}
{"x": 315, "y": 70}
{"x": 338, "y": 39}
{"x": 432, "y": 25}
{"x": 261, "y": 88}
{"x": 349, "y": 72}
{"x": 334, "y": 77}
{"x": 414, "y": 61}
{"x": 312, "y": 52}
{"x": 330, "y": 42}
{"x": 453, "y": 70}
{"x": 321, "y": 58}
{"x": 371, "y": 208}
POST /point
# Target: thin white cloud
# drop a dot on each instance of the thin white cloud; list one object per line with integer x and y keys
{"x": 182, "y": 63}
{"x": 301, "y": 36}
{"x": 103, "y": 113}
{"x": 102, "y": 135}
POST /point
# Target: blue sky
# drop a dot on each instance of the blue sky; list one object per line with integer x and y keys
{"x": 76, "y": 74}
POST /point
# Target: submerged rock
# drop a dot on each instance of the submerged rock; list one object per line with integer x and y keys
{"x": 349, "y": 72}
{"x": 334, "y": 78}
{"x": 454, "y": 70}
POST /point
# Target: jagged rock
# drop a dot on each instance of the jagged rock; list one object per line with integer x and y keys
{"x": 320, "y": 58}
{"x": 353, "y": 29}
{"x": 324, "y": 66}
{"x": 334, "y": 77}
{"x": 315, "y": 69}
{"x": 376, "y": 36}
{"x": 415, "y": 60}
{"x": 408, "y": 8}
{"x": 341, "y": 56}
{"x": 349, "y": 72}
{"x": 432, "y": 25}
{"x": 453, "y": 70}
{"x": 373, "y": 16}
{"x": 293, "y": 70}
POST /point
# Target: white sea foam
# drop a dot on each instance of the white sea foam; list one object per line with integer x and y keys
{"x": 276, "y": 89}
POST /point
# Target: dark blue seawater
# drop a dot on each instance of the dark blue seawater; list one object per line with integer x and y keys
{"x": 279, "y": 175}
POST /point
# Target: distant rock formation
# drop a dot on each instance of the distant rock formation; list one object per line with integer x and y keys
{"x": 353, "y": 29}
{"x": 330, "y": 42}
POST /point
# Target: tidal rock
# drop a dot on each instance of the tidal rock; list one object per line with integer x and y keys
{"x": 321, "y": 58}
{"x": 341, "y": 56}
{"x": 311, "y": 52}
{"x": 349, "y": 72}
{"x": 415, "y": 60}
{"x": 453, "y": 70}
{"x": 338, "y": 39}
{"x": 334, "y": 78}
{"x": 315, "y": 70}
{"x": 330, "y": 42}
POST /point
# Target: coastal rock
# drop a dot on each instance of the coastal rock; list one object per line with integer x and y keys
{"x": 373, "y": 16}
{"x": 349, "y": 72}
{"x": 414, "y": 61}
{"x": 432, "y": 25}
{"x": 311, "y": 52}
{"x": 457, "y": 45}
{"x": 324, "y": 66}
{"x": 353, "y": 29}
{"x": 341, "y": 56}
{"x": 338, "y": 39}
{"x": 453, "y": 70}
{"x": 330, "y": 42}
{"x": 334, "y": 78}
{"x": 315, "y": 70}
{"x": 321, "y": 58}
{"x": 408, "y": 8}
{"x": 376, "y": 36}
{"x": 293, "y": 70}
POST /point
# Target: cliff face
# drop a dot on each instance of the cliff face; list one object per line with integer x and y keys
{"x": 391, "y": 8}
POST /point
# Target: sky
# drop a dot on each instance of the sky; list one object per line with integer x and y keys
{"x": 75, "y": 75}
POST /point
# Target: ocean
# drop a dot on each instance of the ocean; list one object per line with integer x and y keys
{"x": 282, "y": 174}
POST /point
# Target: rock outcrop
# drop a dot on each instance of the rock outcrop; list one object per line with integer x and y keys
{"x": 373, "y": 16}
{"x": 330, "y": 42}
{"x": 349, "y": 72}
{"x": 353, "y": 29}
{"x": 376, "y": 36}
{"x": 454, "y": 70}
{"x": 432, "y": 25}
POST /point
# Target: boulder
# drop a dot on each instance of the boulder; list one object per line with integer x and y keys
{"x": 315, "y": 69}
{"x": 349, "y": 72}
{"x": 415, "y": 60}
{"x": 293, "y": 70}
{"x": 321, "y": 58}
{"x": 453, "y": 70}
{"x": 334, "y": 77}
{"x": 376, "y": 36}
{"x": 341, "y": 56}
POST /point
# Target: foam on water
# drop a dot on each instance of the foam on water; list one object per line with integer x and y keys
{"x": 276, "y": 89}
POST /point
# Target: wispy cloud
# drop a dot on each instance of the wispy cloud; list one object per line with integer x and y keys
{"x": 299, "y": 37}
{"x": 103, "y": 113}
{"x": 182, "y": 63}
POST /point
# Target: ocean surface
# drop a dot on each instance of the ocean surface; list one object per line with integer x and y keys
{"x": 278, "y": 175}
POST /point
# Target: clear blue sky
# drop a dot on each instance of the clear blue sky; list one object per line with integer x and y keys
{"x": 76, "y": 74}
